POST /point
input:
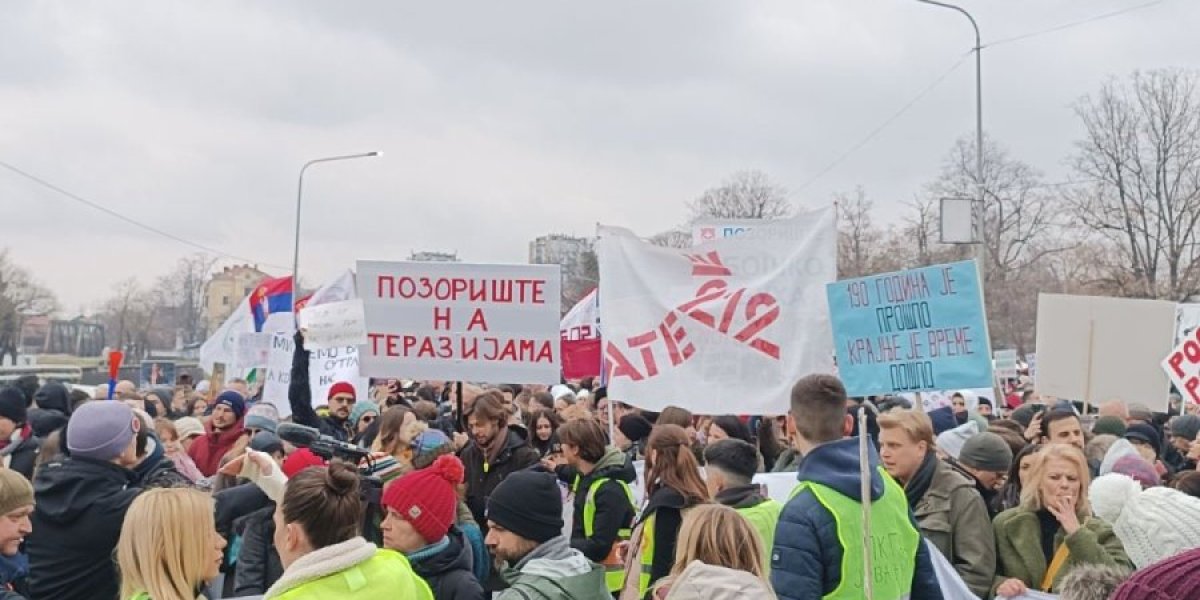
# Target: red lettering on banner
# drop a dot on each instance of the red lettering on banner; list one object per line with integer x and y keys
{"x": 463, "y": 348}
{"x": 646, "y": 339}
{"x": 708, "y": 265}
{"x": 390, "y": 283}
{"x": 477, "y": 320}
{"x": 470, "y": 348}
{"x": 674, "y": 336}
{"x": 441, "y": 318}
{"x": 619, "y": 366}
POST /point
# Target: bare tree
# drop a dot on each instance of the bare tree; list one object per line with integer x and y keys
{"x": 858, "y": 239}
{"x": 182, "y": 291}
{"x": 20, "y": 297}
{"x": 672, "y": 238}
{"x": 1018, "y": 211}
{"x": 1142, "y": 149}
{"x": 744, "y": 195}
{"x": 134, "y": 319}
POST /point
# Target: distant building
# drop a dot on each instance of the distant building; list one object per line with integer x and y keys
{"x": 558, "y": 249}
{"x": 225, "y": 291}
{"x": 434, "y": 257}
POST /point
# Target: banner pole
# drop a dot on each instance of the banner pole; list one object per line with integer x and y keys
{"x": 865, "y": 472}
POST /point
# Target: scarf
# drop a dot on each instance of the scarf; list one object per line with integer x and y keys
{"x": 921, "y": 480}
{"x": 429, "y": 551}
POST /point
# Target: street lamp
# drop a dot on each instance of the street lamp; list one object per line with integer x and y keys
{"x": 981, "y": 251}
{"x": 299, "y": 199}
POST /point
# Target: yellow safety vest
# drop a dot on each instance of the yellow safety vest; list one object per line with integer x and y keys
{"x": 614, "y": 569}
{"x": 894, "y": 540}
{"x": 764, "y": 516}
{"x": 385, "y": 576}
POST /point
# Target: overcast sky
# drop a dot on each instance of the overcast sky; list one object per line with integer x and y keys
{"x": 502, "y": 121}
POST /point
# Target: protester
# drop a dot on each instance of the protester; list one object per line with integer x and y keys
{"x": 392, "y": 443}
{"x": 543, "y": 426}
{"x": 361, "y": 417}
{"x": 261, "y": 417}
{"x": 163, "y": 553}
{"x": 771, "y": 440}
{"x": 630, "y": 435}
{"x": 950, "y": 442}
{"x": 719, "y": 557}
{"x": 18, "y": 445}
{"x": 728, "y": 426}
{"x": 1061, "y": 426}
{"x": 168, "y": 435}
{"x": 1183, "y": 431}
{"x": 1110, "y": 425}
{"x": 16, "y": 506}
{"x": 525, "y": 532}
{"x": 153, "y": 469}
{"x": 495, "y": 451}
{"x": 199, "y": 407}
{"x": 1153, "y": 524}
{"x": 81, "y": 502}
{"x": 948, "y": 510}
{"x": 1052, "y": 531}
{"x": 1148, "y": 443}
{"x": 420, "y": 524}
{"x": 341, "y": 399}
{"x": 1188, "y": 483}
{"x": 673, "y": 485}
{"x": 317, "y": 526}
{"x": 986, "y": 460}
{"x": 53, "y": 407}
{"x": 220, "y": 433}
{"x": 729, "y": 470}
{"x": 604, "y": 507}
{"x": 809, "y": 559}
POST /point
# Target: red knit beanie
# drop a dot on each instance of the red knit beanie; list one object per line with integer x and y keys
{"x": 426, "y": 498}
{"x": 300, "y": 460}
{"x": 342, "y": 387}
{"x": 1176, "y": 578}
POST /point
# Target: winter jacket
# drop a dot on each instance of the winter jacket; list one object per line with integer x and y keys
{"x": 482, "y": 478}
{"x": 614, "y": 510}
{"x": 157, "y": 471}
{"x": 953, "y": 517}
{"x": 20, "y": 451}
{"x": 666, "y": 506}
{"x": 1019, "y": 548}
{"x": 258, "y": 564}
{"x": 448, "y": 571}
{"x": 990, "y": 495}
{"x": 300, "y": 398}
{"x": 708, "y": 582}
{"x": 207, "y": 450}
{"x": 354, "y": 569}
{"x": 806, "y": 561}
{"x": 79, "y": 507}
{"x": 555, "y": 571}
{"x": 235, "y": 503}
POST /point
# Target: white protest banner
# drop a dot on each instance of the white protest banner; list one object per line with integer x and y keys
{"x": 1093, "y": 349}
{"x": 252, "y": 350}
{"x": 221, "y": 346}
{"x": 740, "y": 318}
{"x": 465, "y": 322}
{"x": 704, "y": 231}
{"x": 325, "y": 367}
{"x": 1182, "y": 365}
{"x": 333, "y": 324}
{"x": 1006, "y": 364}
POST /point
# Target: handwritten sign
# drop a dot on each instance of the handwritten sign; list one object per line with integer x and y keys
{"x": 910, "y": 331}
{"x": 334, "y": 324}
{"x": 458, "y": 321}
{"x": 325, "y": 367}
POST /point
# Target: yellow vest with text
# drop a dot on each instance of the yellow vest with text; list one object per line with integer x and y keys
{"x": 894, "y": 540}
{"x": 385, "y": 576}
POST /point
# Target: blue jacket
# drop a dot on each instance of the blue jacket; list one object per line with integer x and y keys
{"x": 806, "y": 561}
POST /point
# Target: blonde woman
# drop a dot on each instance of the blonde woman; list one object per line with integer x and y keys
{"x": 719, "y": 555}
{"x": 1052, "y": 531}
{"x": 163, "y": 553}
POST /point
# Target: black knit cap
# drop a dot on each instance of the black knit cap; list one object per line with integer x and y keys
{"x": 12, "y": 404}
{"x": 635, "y": 428}
{"x": 529, "y": 504}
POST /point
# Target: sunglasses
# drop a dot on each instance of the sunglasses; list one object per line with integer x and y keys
{"x": 367, "y": 418}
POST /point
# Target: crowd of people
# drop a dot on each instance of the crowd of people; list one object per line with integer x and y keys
{"x": 463, "y": 492}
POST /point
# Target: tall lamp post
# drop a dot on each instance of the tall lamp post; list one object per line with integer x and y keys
{"x": 981, "y": 250}
{"x": 299, "y": 201}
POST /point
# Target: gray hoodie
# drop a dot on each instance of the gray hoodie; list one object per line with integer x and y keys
{"x": 555, "y": 571}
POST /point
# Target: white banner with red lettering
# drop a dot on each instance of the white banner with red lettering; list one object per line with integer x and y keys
{"x": 461, "y": 322}
{"x": 725, "y": 327}
{"x": 580, "y": 331}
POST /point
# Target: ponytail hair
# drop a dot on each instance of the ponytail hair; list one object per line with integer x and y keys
{"x": 671, "y": 464}
{"x": 326, "y": 503}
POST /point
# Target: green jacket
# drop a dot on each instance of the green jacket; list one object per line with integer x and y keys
{"x": 555, "y": 571}
{"x": 1019, "y": 548}
{"x": 953, "y": 517}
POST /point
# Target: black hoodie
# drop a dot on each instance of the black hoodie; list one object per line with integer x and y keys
{"x": 614, "y": 510}
{"x": 483, "y": 477}
{"x": 80, "y": 505}
{"x": 449, "y": 572}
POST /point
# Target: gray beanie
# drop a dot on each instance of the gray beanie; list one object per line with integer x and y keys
{"x": 100, "y": 430}
{"x": 986, "y": 452}
{"x": 1186, "y": 426}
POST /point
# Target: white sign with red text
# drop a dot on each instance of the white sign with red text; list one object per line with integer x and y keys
{"x": 1183, "y": 366}
{"x": 461, "y": 322}
{"x": 725, "y": 327}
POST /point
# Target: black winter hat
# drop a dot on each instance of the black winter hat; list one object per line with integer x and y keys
{"x": 28, "y": 385}
{"x": 529, "y": 504}
{"x": 53, "y": 396}
{"x": 635, "y": 428}
{"x": 12, "y": 404}
{"x": 1145, "y": 433}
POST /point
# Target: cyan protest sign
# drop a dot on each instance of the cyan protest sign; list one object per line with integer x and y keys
{"x": 911, "y": 331}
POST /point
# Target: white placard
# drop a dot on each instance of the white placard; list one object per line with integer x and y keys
{"x": 252, "y": 350}
{"x": 325, "y": 368}
{"x": 1006, "y": 364}
{"x": 465, "y": 322}
{"x": 334, "y": 324}
{"x": 1182, "y": 366}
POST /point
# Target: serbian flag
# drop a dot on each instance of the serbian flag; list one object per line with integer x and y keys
{"x": 271, "y": 296}
{"x": 580, "y": 331}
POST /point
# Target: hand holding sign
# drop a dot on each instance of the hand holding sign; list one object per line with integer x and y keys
{"x": 334, "y": 325}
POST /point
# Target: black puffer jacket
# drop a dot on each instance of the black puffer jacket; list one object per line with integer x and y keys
{"x": 300, "y": 398}
{"x": 23, "y": 457}
{"x": 79, "y": 507}
{"x": 614, "y": 509}
{"x": 448, "y": 572}
{"x": 514, "y": 456}
{"x": 258, "y": 565}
